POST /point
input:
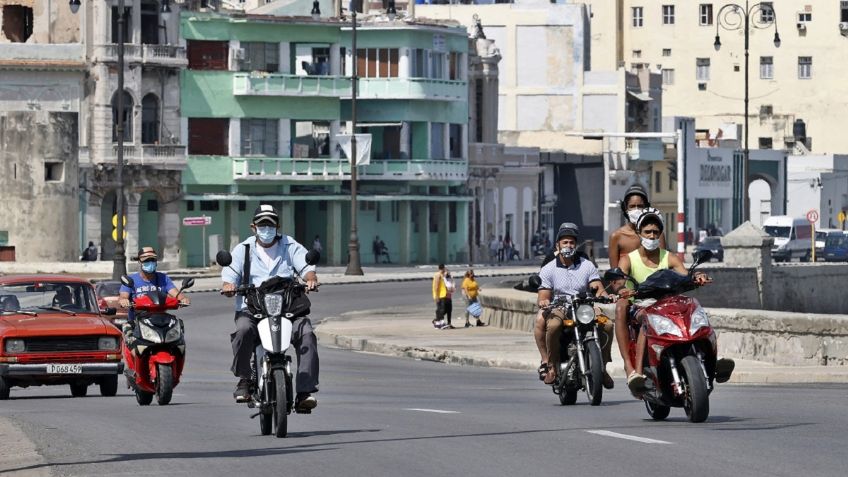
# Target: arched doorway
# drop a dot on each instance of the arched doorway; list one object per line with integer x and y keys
{"x": 128, "y": 114}
{"x": 150, "y": 119}
{"x": 148, "y": 221}
{"x": 760, "y": 196}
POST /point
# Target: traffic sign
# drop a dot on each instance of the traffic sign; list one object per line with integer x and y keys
{"x": 840, "y": 216}
{"x": 197, "y": 221}
{"x": 813, "y": 216}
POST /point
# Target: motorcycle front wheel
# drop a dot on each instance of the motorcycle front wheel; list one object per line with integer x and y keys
{"x": 267, "y": 414}
{"x": 696, "y": 401}
{"x": 281, "y": 413}
{"x": 164, "y": 384}
{"x": 595, "y": 374}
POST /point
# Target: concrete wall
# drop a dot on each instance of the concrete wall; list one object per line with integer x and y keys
{"x": 49, "y": 228}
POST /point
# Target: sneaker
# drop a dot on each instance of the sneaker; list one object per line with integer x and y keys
{"x": 467, "y": 324}
{"x": 242, "y": 392}
{"x": 723, "y": 369}
{"x": 480, "y": 323}
{"x": 438, "y": 324}
{"x": 305, "y": 403}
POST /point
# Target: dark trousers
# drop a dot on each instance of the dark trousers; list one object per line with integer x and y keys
{"x": 444, "y": 308}
{"x": 246, "y": 338}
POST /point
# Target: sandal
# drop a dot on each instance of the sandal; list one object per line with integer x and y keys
{"x": 550, "y": 378}
{"x": 543, "y": 370}
{"x": 636, "y": 383}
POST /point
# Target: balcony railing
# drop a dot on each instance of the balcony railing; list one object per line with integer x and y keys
{"x": 109, "y": 53}
{"x": 166, "y": 55}
{"x": 328, "y": 169}
{"x": 153, "y": 154}
{"x": 272, "y": 84}
{"x": 412, "y": 88}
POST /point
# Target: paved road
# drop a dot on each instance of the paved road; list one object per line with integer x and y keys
{"x": 386, "y": 417}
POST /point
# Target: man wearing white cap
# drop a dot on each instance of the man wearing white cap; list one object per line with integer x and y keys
{"x": 271, "y": 254}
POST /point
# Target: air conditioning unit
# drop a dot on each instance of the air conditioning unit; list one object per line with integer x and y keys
{"x": 238, "y": 53}
{"x": 843, "y": 28}
{"x": 802, "y": 26}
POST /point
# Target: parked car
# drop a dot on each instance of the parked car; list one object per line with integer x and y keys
{"x": 713, "y": 244}
{"x": 835, "y": 247}
{"x": 821, "y": 239}
{"x": 107, "y": 297}
{"x": 52, "y": 332}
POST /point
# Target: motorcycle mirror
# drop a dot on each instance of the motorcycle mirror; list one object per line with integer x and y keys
{"x": 702, "y": 256}
{"x": 223, "y": 258}
{"x": 187, "y": 283}
{"x": 110, "y": 311}
{"x": 614, "y": 274}
{"x": 312, "y": 257}
{"x": 127, "y": 281}
{"x": 535, "y": 281}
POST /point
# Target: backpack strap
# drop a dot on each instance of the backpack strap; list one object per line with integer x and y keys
{"x": 245, "y": 270}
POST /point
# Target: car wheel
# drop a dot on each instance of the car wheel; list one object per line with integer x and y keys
{"x": 79, "y": 389}
{"x": 4, "y": 389}
{"x": 109, "y": 386}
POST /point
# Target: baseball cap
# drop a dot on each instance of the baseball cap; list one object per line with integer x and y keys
{"x": 266, "y": 213}
{"x": 147, "y": 253}
{"x": 568, "y": 228}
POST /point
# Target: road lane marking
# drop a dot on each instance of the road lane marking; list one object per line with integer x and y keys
{"x": 437, "y": 411}
{"x": 628, "y": 437}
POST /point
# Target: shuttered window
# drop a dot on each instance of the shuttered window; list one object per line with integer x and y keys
{"x": 207, "y": 55}
{"x": 208, "y": 136}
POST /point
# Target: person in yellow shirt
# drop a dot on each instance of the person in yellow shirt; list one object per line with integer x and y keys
{"x": 442, "y": 296}
{"x": 470, "y": 290}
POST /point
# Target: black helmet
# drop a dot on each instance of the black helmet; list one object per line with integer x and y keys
{"x": 635, "y": 189}
{"x": 568, "y": 228}
{"x": 654, "y": 215}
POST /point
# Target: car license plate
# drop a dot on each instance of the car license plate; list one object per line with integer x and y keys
{"x": 64, "y": 369}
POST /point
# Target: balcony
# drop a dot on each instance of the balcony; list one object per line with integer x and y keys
{"x": 164, "y": 55}
{"x": 153, "y": 155}
{"x": 273, "y": 84}
{"x": 645, "y": 149}
{"x": 328, "y": 169}
{"x": 43, "y": 56}
{"x": 109, "y": 53}
{"x": 412, "y": 88}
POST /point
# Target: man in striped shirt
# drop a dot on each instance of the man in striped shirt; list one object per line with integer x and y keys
{"x": 568, "y": 274}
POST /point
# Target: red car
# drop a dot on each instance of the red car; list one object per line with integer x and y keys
{"x": 53, "y": 332}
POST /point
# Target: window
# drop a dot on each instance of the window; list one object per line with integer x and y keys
{"x": 805, "y": 67}
{"x": 209, "y": 205}
{"x": 668, "y": 14}
{"x": 637, "y": 16}
{"x": 657, "y": 181}
{"x": 478, "y": 109}
{"x": 152, "y": 205}
{"x": 260, "y": 56}
{"x": 637, "y": 53}
{"x": 53, "y": 171}
{"x": 208, "y": 136}
{"x": 705, "y": 15}
{"x": 128, "y": 109}
{"x": 702, "y": 86}
{"x": 702, "y": 69}
{"x": 437, "y": 140}
{"x": 766, "y": 110}
{"x": 765, "y": 143}
{"x": 455, "y": 141}
{"x": 150, "y": 119}
{"x": 766, "y": 12}
{"x": 419, "y": 64}
{"x": 190, "y": 205}
{"x": 843, "y": 7}
{"x": 455, "y": 66}
{"x": 207, "y": 55}
{"x": 311, "y": 139}
{"x": 395, "y": 212}
{"x": 668, "y": 76}
{"x": 149, "y": 22}
{"x": 437, "y": 65}
{"x": 452, "y": 217}
{"x": 17, "y": 23}
{"x": 766, "y": 67}
{"x": 127, "y": 25}
{"x": 377, "y": 63}
{"x": 242, "y": 205}
{"x": 259, "y": 137}
{"x": 666, "y": 52}
{"x": 804, "y": 17}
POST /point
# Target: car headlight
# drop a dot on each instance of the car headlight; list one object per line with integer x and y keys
{"x": 585, "y": 314}
{"x": 274, "y": 304}
{"x": 174, "y": 333}
{"x": 107, "y": 343}
{"x": 699, "y": 320}
{"x": 149, "y": 334}
{"x": 15, "y": 346}
{"x": 664, "y": 326}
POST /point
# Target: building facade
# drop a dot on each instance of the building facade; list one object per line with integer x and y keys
{"x": 818, "y": 182}
{"x": 264, "y": 101}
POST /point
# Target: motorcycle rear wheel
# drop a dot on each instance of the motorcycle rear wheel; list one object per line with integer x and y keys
{"x": 658, "y": 412}
{"x": 164, "y": 384}
{"x": 281, "y": 413}
{"x": 595, "y": 374}
{"x": 696, "y": 402}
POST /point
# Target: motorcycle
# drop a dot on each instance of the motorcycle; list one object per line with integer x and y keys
{"x": 271, "y": 302}
{"x": 581, "y": 360}
{"x": 681, "y": 362}
{"x": 156, "y": 356}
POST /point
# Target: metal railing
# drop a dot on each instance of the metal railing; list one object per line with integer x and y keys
{"x": 154, "y": 154}
{"x": 276, "y": 168}
{"x": 165, "y": 54}
{"x": 273, "y": 84}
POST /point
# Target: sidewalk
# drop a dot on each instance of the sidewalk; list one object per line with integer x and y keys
{"x": 409, "y": 333}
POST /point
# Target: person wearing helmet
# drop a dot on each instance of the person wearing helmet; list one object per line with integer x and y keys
{"x": 568, "y": 274}
{"x": 640, "y": 264}
{"x": 625, "y": 239}
{"x": 271, "y": 254}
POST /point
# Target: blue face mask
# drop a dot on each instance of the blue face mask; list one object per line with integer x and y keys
{"x": 149, "y": 266}
{"x": 266, "y": 235}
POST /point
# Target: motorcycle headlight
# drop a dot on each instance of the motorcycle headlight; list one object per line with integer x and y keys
{"x": 15, "y": 346}
{"x": 273, "y": 304}
{"x": 175, "y": 332}
{"x": 149, "y": 334}
{"x": 585, "y": 314}
{"x": 699, "y": 320}
{"x": 107, "y": 343}
{"x": 664, "y": 326}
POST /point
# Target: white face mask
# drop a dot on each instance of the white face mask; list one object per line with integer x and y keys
{"x": 650, "y": 244}
{"x": 633, "y": 215}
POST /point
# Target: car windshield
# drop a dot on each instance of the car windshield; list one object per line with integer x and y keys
{"x": 836, "y": 241}
{"x": 777, "y": 231}
{"x": 37, "y": 296}
{"x": 821, "y": 235}
{"x": 712, "y": 241}
{"x": 108, "y": 288}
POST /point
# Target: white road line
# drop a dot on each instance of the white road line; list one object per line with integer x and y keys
{"x": 437, "y": 411}
{"x": 628, "y": 437}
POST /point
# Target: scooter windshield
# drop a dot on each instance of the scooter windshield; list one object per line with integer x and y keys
{"x": 664, "y": 282}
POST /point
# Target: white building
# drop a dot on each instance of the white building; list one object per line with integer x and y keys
{"x": 818, "y": 182}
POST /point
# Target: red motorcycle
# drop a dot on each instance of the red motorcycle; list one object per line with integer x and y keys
{"x": 681, "y": 358}
{"x": 156, "y": 354}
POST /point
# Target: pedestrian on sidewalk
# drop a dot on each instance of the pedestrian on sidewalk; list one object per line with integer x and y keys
{"x": 90, "y": 253}
{"x": 441, "y": 295}
{"x": 500, "y": 249}
{"x": 377, "y": 249}
{"x": 470, "y": 290}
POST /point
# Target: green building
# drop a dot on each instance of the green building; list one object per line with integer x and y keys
{"x": 263, "y": 100}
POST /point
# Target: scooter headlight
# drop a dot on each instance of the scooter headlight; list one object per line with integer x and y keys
{"x": 699, "y": 320}
{"x": 175, "y": 332}
{"x": 585, "y": 314}
{"x": 664, "y": 326}
{"x": 149, "y": 334}
{"x": 273, "y": 304}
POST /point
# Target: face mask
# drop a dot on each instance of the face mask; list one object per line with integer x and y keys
{"x": 633, "y": 215}
{"x": 650, "y": 244}
{"x": 149, "y": 266}
{"x": 567, "y": 252}
{"x": 266, "y": 235}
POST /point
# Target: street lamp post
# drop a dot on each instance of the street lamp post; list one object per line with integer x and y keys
{"x": 354, "y": 265}
{"x": 736, "y": 17}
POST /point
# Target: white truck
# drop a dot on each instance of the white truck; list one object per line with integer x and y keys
{"x": 792, "y": 238}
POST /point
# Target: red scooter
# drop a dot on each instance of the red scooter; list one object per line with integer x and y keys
{"x": 681, "y": 358}
{"x": 156, "y": 354}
